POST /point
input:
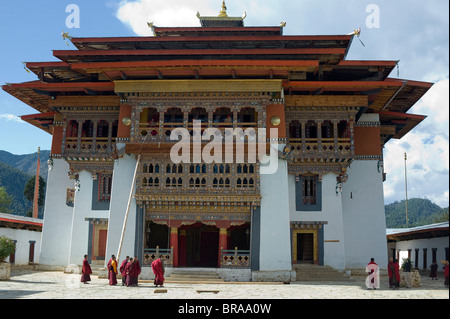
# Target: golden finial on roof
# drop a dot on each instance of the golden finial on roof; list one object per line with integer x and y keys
{"x": 223, "y": 12}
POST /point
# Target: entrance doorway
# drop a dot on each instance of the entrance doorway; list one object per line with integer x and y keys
{"x": 305, "y": 248}
{"x": 202, "y": 242}
{"x": 102, "y": 238}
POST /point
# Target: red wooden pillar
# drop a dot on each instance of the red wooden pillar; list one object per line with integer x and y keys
{"x": 223, "y": 243}
{"x": 182, "y": 247}
{"x": 174, "y": 244}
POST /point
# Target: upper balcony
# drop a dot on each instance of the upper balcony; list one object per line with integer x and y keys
{"x": 157, "y": 126}
{"x": 321, "y": 139}
{"x": 89, "y": 138}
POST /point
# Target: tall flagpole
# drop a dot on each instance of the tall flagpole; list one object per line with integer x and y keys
{"x": 406, "y": 193}
{"x": 36, "y": 187}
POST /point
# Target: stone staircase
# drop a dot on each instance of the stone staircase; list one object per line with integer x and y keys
{"x": 194, "y": 275}
{"x": 96, "y": 265}
{"x": 310, "y": 272}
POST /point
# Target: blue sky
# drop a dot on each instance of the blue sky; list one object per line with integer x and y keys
{"x": 412, "y": 31}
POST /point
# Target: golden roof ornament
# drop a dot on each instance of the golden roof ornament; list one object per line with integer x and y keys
{"x": 222, "y": 20}
{"x": 223, "y": 12}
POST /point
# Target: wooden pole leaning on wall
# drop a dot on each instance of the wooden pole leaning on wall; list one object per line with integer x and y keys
{"x": 124, "y": 227}
{"x": 35, "y": 213}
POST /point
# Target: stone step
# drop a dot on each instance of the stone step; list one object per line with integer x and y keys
{"x": 194, "y": 275}
{"x": 205, "y": 276}
{"x": 319, "y": 273}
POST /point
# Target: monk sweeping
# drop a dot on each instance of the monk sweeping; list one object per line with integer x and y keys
{"x": 158, "y": 271}
{"x": 86, "y": 271}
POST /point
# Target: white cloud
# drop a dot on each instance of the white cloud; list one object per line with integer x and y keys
{"x": 11, "y": 117}
{"x": 427, "y": 148}
{"x": 163, "y": 13}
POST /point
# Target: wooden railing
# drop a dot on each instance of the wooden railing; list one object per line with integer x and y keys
{"x": 154, "y": 132}
{"x": 234, "y": 258}
{"x": 325, "y": 146}
{"x": 151, "y": 254}
{"x": 88, "y": 145}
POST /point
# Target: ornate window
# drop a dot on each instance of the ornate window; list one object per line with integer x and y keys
{"x": 309, "y": 195}
{"x": 104, "y": 187}
{"x": 308, "y": 191}
{"x": 199, "y": 177}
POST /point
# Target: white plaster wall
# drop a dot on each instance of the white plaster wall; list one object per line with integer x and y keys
{"x": 121, "y": 186}
{"x": 275, "y": 247}
{"x": 333, "y": 231}
{"x": 23, "y": 238}
{"x": 364, "y": 216}
{"x": 80, "y": 227}
{"x": 56, "y": 231}
{"x": 440, "y": 243}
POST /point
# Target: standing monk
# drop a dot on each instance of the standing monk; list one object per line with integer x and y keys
{"x": 132, "y": 273}
{"x": 396, "y": 277}
{"x": 446, "y": 274}
{"x": 138, "y": 270}
{"x": 86, "y": 271}
{"x": 434, "y": 269}
{"x": 108, "y": 266}
{"x": 372, "y": 270}
{"x": 407, "y": 272}
{"x": 391, "y": 272}
{"x": 158, "y": 270}
{"x": 122, "y": 270}
{"x": 113, "y": 272}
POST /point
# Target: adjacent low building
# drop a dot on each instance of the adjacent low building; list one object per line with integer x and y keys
{"x": 26, "y": 233}
{"x": 422, "y": 244}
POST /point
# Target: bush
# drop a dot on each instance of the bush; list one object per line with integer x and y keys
{"x": 7, "y": 247}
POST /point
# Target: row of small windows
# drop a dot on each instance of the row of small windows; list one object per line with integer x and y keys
{"x": 200, "y": 169}
{"x": 197, "y": 182}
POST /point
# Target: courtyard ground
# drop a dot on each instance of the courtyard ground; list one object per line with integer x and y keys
{"x": 28, "y": 284}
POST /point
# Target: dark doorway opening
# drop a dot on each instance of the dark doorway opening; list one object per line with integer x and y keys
{"x": 305, "y": 248}
{"x": 202, "y": 246}
{"x": 157, "y": 236}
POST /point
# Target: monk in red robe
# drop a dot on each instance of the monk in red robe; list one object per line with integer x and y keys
{"x": 138, "y": 270}
{"x": 112, "y": 275}
{"x": 446, "y": 274}
{"x": 391, "y": 272}
{"x": 158, "y": 271}
{"x": 108, "y": 266}
{"x": 86, "y": 271}
{"x": 396, "y": 277}
{"x": 132, "y": 273}
{"x": 372, "y": 270}
{"x": 122, "y": 270}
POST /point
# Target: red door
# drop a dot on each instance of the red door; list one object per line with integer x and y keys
{"x": 102, "y": 237}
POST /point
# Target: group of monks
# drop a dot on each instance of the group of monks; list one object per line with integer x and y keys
{"x": 130, "y": 270}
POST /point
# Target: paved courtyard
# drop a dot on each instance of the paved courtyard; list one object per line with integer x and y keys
{"x": 27, "y": 284}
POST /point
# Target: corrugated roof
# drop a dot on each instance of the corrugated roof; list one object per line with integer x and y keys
{"x": 398, "y": 231}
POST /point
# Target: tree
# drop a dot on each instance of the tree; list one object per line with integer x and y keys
{"x": 29, "y": 190}
{"x": 5, "y": 200}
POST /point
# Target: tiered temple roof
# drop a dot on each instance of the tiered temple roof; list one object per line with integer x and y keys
{"x": 222, "y": 48}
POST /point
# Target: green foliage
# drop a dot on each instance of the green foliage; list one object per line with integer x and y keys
{"x": 14, "y": 180}
{"x": 7, "y": 247}
{"x": 5, "y": 200}
{"x": 29, "y": 190}
{"x": 15, "y": 171}
{"x": 420, "y": 212}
